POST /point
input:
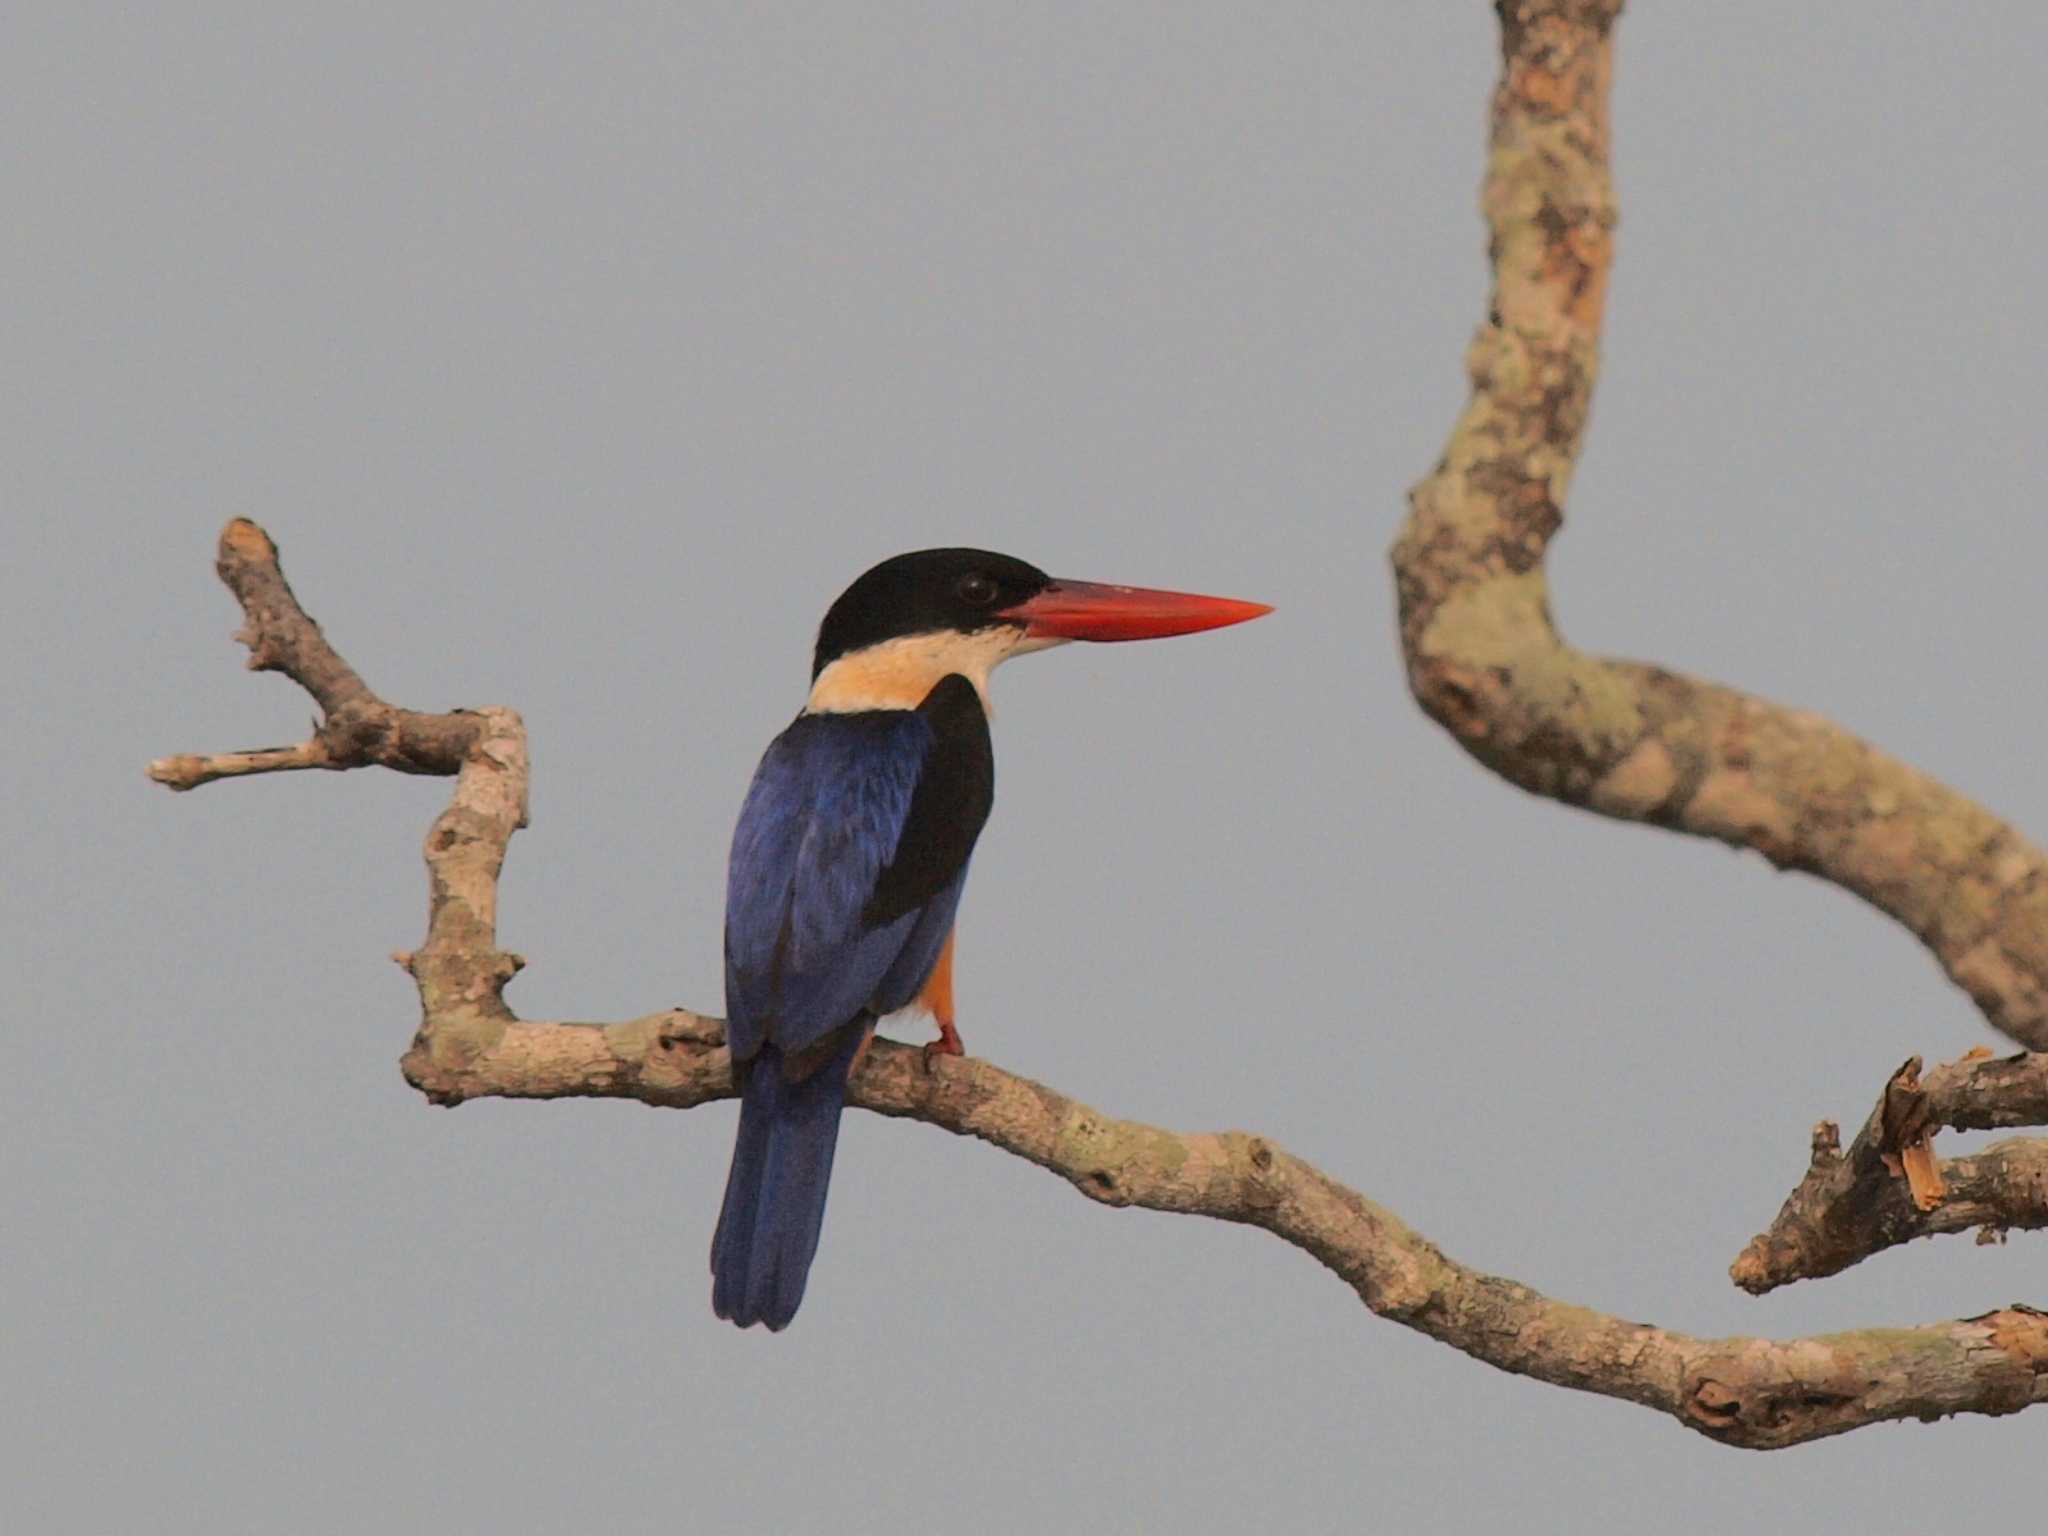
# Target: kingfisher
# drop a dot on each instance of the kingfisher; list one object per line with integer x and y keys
{"x": 849, "y": 858}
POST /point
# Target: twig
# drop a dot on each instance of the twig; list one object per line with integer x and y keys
{"x": 358, "y": 728}
{"x": 1854, "y": 1204}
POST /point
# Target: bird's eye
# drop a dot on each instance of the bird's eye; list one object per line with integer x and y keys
{"x": 977, "y": 588}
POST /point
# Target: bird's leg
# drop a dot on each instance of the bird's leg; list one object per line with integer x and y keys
{"x": 948, "y": 1044}
{"x": 938, "y": 997}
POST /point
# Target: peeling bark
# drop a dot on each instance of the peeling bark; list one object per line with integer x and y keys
{"x": 1854, "y": 1204}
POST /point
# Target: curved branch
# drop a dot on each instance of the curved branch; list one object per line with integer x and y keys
{"x": 1748, "y": 1392}
{"x": 1754, "y": 1393}
{"x": 1888, "y": 1189}
{"x": 1628, "y": 740}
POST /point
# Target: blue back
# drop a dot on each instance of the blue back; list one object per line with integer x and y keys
{"x": 814, "y": 950}
{"x": 823, "y": 818}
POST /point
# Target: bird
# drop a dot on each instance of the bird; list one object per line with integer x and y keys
{"x": 848, "y": 861}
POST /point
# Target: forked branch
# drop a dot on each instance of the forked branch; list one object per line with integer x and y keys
{"x": 357, "y": 729}
{"x": 1854, "y": 1204}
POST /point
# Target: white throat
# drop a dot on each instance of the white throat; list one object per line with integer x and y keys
{"x": 897, "y": 674}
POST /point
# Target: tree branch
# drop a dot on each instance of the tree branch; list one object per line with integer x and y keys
{"x": 1470, "y": 559}
{"x": 1747, "y": 1392}
{"x": 1850, "y": 1206}
{"x": 358, "y": 729}
{"x": 1622, "y": 738}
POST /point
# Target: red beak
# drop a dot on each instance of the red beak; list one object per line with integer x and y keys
{"x": 1088, "y": 610}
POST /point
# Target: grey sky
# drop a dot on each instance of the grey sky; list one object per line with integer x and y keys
{"x": 577, "y": 361}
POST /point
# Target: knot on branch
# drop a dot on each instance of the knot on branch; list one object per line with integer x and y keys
{"x": 1725, "y": 1399}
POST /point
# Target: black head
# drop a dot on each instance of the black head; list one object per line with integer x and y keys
{"x": 926, "y": 592}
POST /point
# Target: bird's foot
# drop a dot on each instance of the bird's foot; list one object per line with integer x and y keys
{"x": 948, "y": 1044}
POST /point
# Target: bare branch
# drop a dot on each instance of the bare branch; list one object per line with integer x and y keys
{"x": 1850, "y": 1206}
{"x": 1747, "y": 1392}
{"x": 1755, "y": 1393}
{"x": 358, "y": 728}
{"x": 1625, "y": 739}
{"x": 189, "y": 770}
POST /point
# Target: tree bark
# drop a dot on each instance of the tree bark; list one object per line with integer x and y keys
{"x": 1627, "y": 739}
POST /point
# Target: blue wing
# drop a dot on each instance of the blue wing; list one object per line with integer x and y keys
{"x": 846, "y": 870}
{"x": 825, "y": 813}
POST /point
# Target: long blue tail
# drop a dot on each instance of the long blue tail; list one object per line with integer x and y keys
{"x": 775, "y": 1193}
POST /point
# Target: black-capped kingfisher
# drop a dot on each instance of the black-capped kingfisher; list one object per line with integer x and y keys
{"x": 849, "y": 858}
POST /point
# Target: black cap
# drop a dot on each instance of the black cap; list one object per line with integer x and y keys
{"x": 930, "y": 591}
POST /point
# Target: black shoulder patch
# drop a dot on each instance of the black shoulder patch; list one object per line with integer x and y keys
{"x": 947, "y": 809}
